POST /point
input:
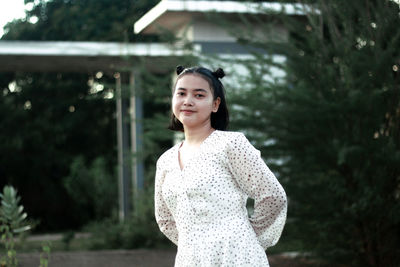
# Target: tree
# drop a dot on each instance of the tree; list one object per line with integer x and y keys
{"x": 85, "y": 20}
{"x": 49, "y": 120}
{"x": 53, "y": 123}
{"x": 334, "y": 128}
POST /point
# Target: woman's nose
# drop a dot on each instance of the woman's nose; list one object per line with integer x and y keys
{"x": 188, "y": 101}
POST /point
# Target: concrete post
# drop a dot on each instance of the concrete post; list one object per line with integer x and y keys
{"x": 136, "y": 133}
{"x": 124, "y": 173}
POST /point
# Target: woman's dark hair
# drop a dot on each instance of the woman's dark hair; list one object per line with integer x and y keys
{"x": 219, "y": 119}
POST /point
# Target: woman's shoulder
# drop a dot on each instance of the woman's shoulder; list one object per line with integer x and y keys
{"x": 236, "y": 141}
{"x": 231, "y": 136}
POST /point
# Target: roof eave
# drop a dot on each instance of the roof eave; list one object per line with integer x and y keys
{"x": 146, "y": 24}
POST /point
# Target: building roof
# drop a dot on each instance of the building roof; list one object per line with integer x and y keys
{"x": 79, "y": 56}
{"x": 168, "y": 13}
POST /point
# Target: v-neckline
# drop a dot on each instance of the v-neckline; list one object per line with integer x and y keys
{"x": 194, "y": 154}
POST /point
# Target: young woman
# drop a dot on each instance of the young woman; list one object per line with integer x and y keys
{"x": 202, "y": 183}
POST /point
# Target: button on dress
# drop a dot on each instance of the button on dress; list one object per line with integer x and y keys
{"x": 202, "y": 208}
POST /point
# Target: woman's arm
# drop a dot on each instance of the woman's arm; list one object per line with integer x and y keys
{"x": 258, "y": 182}
{"x": 164, "y": 218}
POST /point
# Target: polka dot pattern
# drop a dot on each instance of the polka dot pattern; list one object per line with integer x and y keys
{"x": 202, "y": 208}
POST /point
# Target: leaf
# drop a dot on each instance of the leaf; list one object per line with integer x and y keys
{"x": 22, "y": 229}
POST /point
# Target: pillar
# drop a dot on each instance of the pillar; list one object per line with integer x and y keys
{"x": 136, "y": 113}
{"x": 124, "y": 171}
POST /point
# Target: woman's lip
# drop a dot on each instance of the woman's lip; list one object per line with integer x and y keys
{"x": 187, "y": 111}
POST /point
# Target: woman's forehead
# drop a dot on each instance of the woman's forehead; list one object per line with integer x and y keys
{"x": 192, "y": 81}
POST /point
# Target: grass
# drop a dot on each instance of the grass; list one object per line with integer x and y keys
{"x": 68, "y": 241}
{"x": 74, "y": 244}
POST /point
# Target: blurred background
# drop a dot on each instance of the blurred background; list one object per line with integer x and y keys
{"x": 85, "y": 91}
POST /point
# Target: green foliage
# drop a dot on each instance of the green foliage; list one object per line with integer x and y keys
{"x": 11, "y": 213}
{"x": 93, "y": 188}
{"x": 85, "y": 20}
{"x": 52, "y": 119}
{"x": 138, "y": 231}
{"x": 333, "y": 126}
{"x": 12, "y": 223}
{"x": 347, "y": 96}
{"x": 45, "y": 254}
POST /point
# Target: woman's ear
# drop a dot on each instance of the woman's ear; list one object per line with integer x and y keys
{"x": 216, "y": 103}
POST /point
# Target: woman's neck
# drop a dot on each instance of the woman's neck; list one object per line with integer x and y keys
{"x": 194, "y": 137}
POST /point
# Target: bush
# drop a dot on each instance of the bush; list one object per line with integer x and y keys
{"x": 12, "y": 223}
{"x": 140, "y": 230}
{"x": 92, "y": 187}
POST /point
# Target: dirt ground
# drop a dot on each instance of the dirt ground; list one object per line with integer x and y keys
{"x": 130, "y": 258}
{"x": 103, "y": 258}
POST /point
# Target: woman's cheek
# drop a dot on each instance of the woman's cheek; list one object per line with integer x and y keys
{"x": 175, "y": 107}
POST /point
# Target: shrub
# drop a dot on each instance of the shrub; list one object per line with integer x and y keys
{"x": 12, "y": 222}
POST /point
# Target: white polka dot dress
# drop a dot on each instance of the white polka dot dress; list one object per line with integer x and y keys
{"x": 202, "y": 208}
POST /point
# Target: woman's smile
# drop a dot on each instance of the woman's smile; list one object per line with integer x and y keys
{"x": 187, "y": 111}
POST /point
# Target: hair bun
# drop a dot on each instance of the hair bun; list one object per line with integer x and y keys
{"x": 219, "y": 73}
{"x": 179, "y": 69}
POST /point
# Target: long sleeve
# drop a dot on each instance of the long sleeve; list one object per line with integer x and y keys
{"x": 164, "y": 218}
{"x": 258, "y": 182}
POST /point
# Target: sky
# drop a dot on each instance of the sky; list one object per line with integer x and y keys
{"x": 9, "y": 10}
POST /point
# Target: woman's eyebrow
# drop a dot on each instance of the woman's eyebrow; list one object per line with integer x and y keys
{"x": 201, "y": 90}
{"x": 197, "y": 90}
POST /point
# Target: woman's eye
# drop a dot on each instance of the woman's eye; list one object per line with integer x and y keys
{"x": 180, "y": 93}
{"x": 198, "y": 95}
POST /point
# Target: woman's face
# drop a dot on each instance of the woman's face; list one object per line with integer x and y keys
{"x": 193, "y": 101}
